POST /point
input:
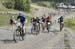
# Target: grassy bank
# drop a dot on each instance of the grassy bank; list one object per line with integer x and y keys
{"x": 70, "y": 23}
{"x": 4, "y": 19}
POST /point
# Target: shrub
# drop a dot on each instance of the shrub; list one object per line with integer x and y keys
{"x": 9, "y": 3}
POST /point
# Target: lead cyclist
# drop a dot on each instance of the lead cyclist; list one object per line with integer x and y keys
{"x": 22, "y": 20}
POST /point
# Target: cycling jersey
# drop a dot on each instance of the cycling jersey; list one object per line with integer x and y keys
{"x": 22, "y": 19}
{"x": 12, "y": 21}
{"x": 38, "y": 20}
{"x": 61, "y": 19}
{"x": 43, "y": 19}
{"x": 48, "y": 19}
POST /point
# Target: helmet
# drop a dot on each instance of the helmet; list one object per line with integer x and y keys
{"x": 34, "y": 17}
{"x": 12, "y": 17}
{"x": 21, "y": 14}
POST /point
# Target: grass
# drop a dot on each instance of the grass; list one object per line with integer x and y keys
{"x": 70, "y": 23}
{"x": 66, "y": 42}
{"x": 5, "y": 9}
{"x": 4, "y": 19}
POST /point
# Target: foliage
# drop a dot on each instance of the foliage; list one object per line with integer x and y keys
{"x": 9, "y": 3}
{"x": 73, "y": 4}
{"x": 23, "y": 5}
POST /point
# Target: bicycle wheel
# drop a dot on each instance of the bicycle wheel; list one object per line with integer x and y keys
{"x": 22, "y": 33}
{"x": 61, "y": 26}
{"x": 48, "y": 27}
{"x": 32, "y": 29}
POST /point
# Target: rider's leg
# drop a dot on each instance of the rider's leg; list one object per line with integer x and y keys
{"x": 39, "y": 26}
{"x": 61, "y": 26}
{"x": 22, "y": 31}
{"x": 23, "y": 27}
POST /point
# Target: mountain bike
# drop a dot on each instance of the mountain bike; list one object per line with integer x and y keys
{"x": 19, "y": 32}
{"x": 61, "y": 26}
{"x": 48, "y": 26}
{"x": 35, "y": 28}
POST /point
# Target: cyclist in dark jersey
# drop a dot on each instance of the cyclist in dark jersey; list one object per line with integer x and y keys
{"x": 43, "y": 18}
{"x": 61, "y": 22}
{"x": 22, "y": 19}
{"x": 60, "y": 19}
{"x": 33, "y": 20}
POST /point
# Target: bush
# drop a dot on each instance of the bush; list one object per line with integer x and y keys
{"x": 9, "y": 3}
{"x": 23, "y": 5}
{"x": 73, "y": 4}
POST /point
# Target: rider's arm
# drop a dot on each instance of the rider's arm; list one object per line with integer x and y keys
{"x": 18, "y": 17}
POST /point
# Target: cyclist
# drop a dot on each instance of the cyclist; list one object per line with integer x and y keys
{"x": 48, "y": 19}
{"x": 44, "y": 19}
{"x": 33, "y": 20}
{"x": 38, "y": 22}
{"x": 22, "y": 19}
{"x": 43, "y": 22}
{"x": 48, "y": 22}
{"x": 12, "y": 22}
{"x": 61, "y": 22}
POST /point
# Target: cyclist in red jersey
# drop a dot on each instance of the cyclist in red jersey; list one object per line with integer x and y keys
{"x": 48, "y": 19}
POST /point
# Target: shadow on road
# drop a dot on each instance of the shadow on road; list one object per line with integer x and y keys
{"x": 29, "y": 33}
{"x": 7, "y": 41}
{"x": 55, "y": 31}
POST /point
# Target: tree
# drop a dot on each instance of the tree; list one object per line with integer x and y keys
{"x": 23, "y": 5}
{"x": 9, "y": 3}
{"x": 27, "y": 5}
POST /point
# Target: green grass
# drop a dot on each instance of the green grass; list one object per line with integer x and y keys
{"x": 70, "y": 23}
{"x": 28, "y": 19}
{"x": 66, "y": 42}
{"x": 4, "y": 19}
{"x": 5, "y": 9}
